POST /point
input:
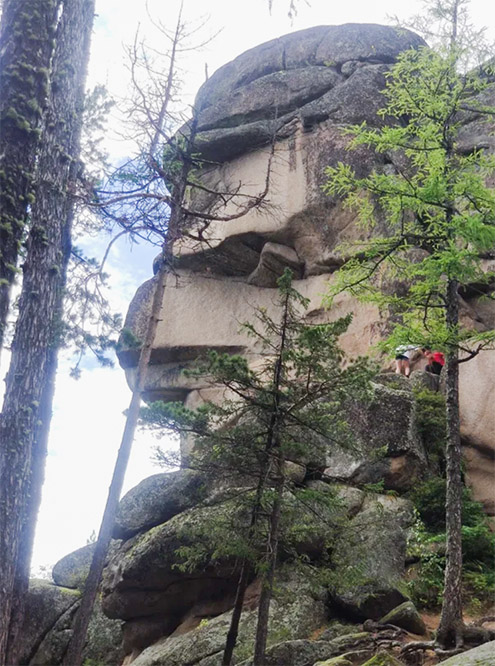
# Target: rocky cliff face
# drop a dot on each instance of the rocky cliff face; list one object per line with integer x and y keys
{"x": 298, "y": 91}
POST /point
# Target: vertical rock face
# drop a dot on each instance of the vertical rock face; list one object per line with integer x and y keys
{"x": 298, "y": 93}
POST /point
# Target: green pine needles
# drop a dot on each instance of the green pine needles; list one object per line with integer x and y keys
{"x": 432, "y": 198}
{"x": 272, "y": 424}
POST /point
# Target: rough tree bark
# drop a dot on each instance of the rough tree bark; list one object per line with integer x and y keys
{"x": 25, "y": 419}
{"x": 450, "y": 630}
{"x": 278, "y": 460}
{"x": 27, "y": 33}
{"x": 244, "y": 575}
{"x": 260, "y": 640}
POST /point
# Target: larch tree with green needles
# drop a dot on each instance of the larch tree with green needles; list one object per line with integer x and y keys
{"x": 290, "y": 407}
{"x": 438, "y": 212}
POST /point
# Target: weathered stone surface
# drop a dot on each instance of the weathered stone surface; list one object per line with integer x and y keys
{"x": 157, "y": 499}
{"x": 323, "y": 47}
{"x": 322, "y": 78}
{"x": 484, "y": 655}
{"x": 295, "y": 612}
{"x": 103, "y": 643}
{"x": 281, "y": 91}
{"x": 387, "y": 446}
{"x": 377, "y": 555}
{"x": 72, "y": 570}
{"x": 336, "y": 629}
{"x": 45, "y": 604}
{"x": 478, "y": 426}
{"x": 304, "y": 652}
{"x": 335, "y": 661}
{"x": 142, "y": 578}
{"x": 104, "y": 639}
{"x": 406, "y": 617}
{"x": 50, "y": 612}
{"x": 383, "y": 659}
{"x": 274, "y": 259}
{"x": 220, "y": 304}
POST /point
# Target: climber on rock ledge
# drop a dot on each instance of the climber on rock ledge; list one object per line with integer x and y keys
{"x": 436, "y": 360}
{"x": 402, "y": 359}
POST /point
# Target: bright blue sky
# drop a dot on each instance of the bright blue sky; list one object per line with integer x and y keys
{"x": 88, "y": 421}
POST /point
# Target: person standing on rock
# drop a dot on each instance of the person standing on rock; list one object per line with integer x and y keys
{"x": 436, "y": 360}
{"x": 402, "y": 357}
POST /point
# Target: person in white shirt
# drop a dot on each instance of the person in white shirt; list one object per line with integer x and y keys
{"x": 402, "y": 356}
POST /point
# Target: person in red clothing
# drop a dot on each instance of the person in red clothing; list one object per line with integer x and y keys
{"x": 436, "y": 360}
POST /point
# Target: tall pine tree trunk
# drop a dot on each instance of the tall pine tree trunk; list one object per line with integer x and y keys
{"x": 277, "y": 462}
{"x": 74, "y": 654}
{"x": 27, "y": 33}
{"x": 246, "y": 567}
{"x": 26, "y": 414}
{"x": 233, "y": 632}
{"x": 449, "y": 632}
{"x": 270, "y": 563}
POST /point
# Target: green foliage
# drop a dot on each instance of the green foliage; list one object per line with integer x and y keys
{"x": 231, "y": 437}
{"x": 431, "y": 419}
{"x": 288, "y": 407}
{"x": 427, "y": 544}
{"x": 429, "y": 500}
{"x": 439, "y": 211}
{"x": 129, "y": 340}
{"x": 377, "y": 487}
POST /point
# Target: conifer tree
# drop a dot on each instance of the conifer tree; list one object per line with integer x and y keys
{"x": 438, "y": 213}
{"x": 289, "y": 407}
{"x": 26, "y": 412}
{"x": 148, "y": 198}
{"x": 27, "y": 31}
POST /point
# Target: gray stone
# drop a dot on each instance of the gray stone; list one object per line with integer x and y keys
{"x": 104, "y": 639}
{"x": 337, "y": 629}
{"x": 406, "y": 617}
{"x": 296, "y": 74}
{"x": 274, "y": 259}
{"x": 306, "y": 652}
{"x": 420, "y": 379}
{"x": 383, "y": 659}
{"x": 484, "y": 655}
{"x": 143, "y": 579}
{"x": 335, "y": 661}
{"x": 72, "y": 570}
{"x": 375, "y": 555}
{"x": 45, "y": 605}
{"x": 294, "y": 612}
{"x": 103, "y": 642}
{"x": 270, "y": 96}
{"x": 387, "y": 446}
{"x": 327, "y": 46}
{"x": 356, "y": 99}
{"x": 157, "y": 499}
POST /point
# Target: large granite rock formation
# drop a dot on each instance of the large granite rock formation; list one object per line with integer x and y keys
{"x": 50, "y": 611}
{"x": 297, "y": 92}
{"x": 301, "y": 89}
